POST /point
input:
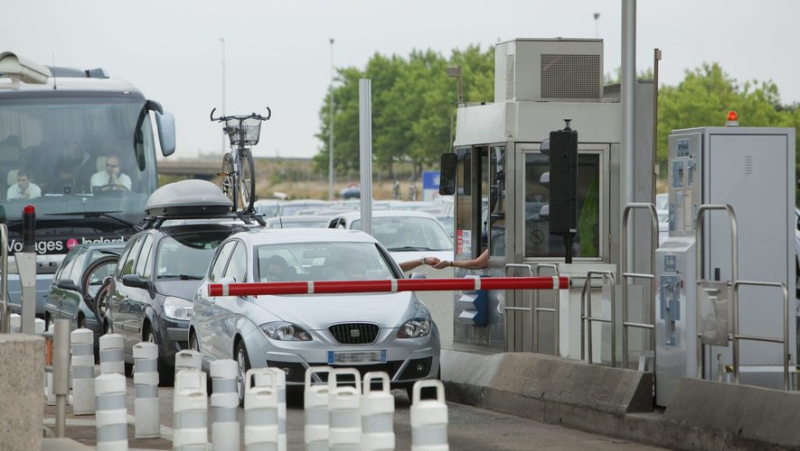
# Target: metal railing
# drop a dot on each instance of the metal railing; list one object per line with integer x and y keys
{"x": 512, "y": 266}
{"x": 534, "y": 309}
{"x": 626, "y": 275}
{"x": 785, "y": 342}
{"x": 588, "y": 319}
{"x": 699, "y": 228}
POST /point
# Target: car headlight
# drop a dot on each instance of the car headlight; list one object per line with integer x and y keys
{"x": 283, "y": 331}
{"x": 177, "y": 308}
{"x": 419, "y": 326}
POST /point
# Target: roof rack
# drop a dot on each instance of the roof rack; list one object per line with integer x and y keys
{"x": 157, "y": 221}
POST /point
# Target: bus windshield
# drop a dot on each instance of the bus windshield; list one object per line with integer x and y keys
{"x": 73, "y": 156}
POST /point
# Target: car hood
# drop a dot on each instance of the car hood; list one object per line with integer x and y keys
{"x": 184, "y": 289}
{"x": 319, "y": 311}
{"x": 404, "y": 256}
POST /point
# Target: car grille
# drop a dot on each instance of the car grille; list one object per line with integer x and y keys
{"x": 295, "y": 372}
{"x": 355, "y": 333}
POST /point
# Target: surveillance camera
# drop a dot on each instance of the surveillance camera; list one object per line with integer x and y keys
{"x": 19, "y": 69}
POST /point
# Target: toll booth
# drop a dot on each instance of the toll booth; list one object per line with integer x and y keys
{"x": 502, "y": 195}
{"x": 731, "y": 219}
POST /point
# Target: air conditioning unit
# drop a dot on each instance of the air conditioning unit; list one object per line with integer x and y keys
{"x": 549, "y": 70}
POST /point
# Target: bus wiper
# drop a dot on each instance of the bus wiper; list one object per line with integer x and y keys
{"x": 96, "y": 214}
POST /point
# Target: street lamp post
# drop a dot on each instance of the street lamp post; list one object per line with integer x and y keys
{"x": 330, "y": 131}
{"x": 596, "y": 26}
{"x": 222, "y": 40}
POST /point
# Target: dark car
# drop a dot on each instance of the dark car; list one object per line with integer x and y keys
{"x": 65, "y": 299}
{"x": 149, "y": 296}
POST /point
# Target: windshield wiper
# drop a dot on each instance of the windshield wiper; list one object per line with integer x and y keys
{"x": 97, "y": 214}
{"x": 408, "y": 249}
{"x": 180, "y": 276}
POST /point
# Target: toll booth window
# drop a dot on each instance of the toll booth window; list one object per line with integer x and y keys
{"x": 538, "y": 241}
{"x": 496, "y": 208}
{"x": 464, "y": 208}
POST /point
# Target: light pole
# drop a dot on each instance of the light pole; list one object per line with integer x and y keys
{"x": 596, "y": 26}
{"x": 330, "y": 131}
{"x": 222, "y": 40}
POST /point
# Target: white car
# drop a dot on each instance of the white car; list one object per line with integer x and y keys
{"x": 407, "y": 235}
{"x": 391, "y": 332}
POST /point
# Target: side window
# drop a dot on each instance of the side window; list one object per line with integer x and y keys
{"x": 238, "y": 265}
{"x": 129, "y": 263}
{"x": 218, "y": 267}
{"x": 77, "y": 267}
{"x": 142, "y": 266}
{"x": 66, "y": 266}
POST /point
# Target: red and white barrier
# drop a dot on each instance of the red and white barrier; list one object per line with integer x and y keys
{"x": 387, "y": 285}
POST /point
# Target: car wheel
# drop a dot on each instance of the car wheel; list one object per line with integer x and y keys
{"x": 166, "y": 374}
{"x": 243, "y": 364}
{"x": 48, "y": 322}
{"x": 81, "y": 322}
{"x": 194, "y": 345}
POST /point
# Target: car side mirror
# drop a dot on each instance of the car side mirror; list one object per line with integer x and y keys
{"x": 417, "y": 275}
{"x": 67, "y": 284}
{"x": 135, "y": 281}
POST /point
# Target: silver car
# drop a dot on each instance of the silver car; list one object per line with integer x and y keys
{"x": 391, "y": 332}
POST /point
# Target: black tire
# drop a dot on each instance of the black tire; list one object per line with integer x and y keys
{"x": 243, "y": 362}
{"x": 48, "y": 323}
{"x": 86, "y": 278}
{"x": 228, "y": 172}
{"x": 101, "y": 300}
{"x": 247, "y": 180}
{"x": 166, "y": 374}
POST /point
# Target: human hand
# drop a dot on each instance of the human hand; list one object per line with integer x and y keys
{"x": 442, "y": 264}
{"x": 27, "y": 193}
{"x": 432, "y": 261}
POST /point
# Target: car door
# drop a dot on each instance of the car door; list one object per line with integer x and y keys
{"x": 72, "y": 298}
{"x": 55, "y": 295}
{"x": 230, "y": 307}
{"x": 124, "y": 298}
{"x": 206, "y": 307}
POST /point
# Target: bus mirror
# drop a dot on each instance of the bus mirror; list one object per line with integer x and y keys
{"x": 447, "y": 176}
{"x": 166, "y": 132}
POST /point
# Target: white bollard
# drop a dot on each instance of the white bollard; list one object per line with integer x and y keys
{"x": 112, "y": 415}
{"x": 429, "y": 419}
{"x": 224, "y": 405}
{"x": 145, "y": 378}
{"x": 377, "y": 414}
{"x": 190, "y": 429}
{"x": 111, "y": 359}
{"x": 344, "y": 411}
{"x": 16, "y": 323}
{"x": 261, "y": 410}
{"x": 38, "y": 326}
{"x": 82, "y": 344}
{"x": 315, "y": 404}
{"x": 188, "y": 360}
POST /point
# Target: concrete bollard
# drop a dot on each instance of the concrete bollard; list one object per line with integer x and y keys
{"x": 377, "y": 414}
{"x": 111, "y": 359}
{"x": 315, "y": 404}
{"x": 145, "y": 378}
{"x": 261, "y": 410}
{"x": 190, "y": 429}
{"x": 61, "y": 372}
{"x": 82, "y": 371}
{"x": 224, "y": 405}
{"x": 429, "y": 419}
{"x": 111, "y": 414}
{"x": 344, "y": 411}
{"x": 188, "y": 360}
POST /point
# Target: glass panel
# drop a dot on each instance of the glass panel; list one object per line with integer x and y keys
{"x": 66, "y": 266}
{"x": 238, "y": 266}
{"x": 221, "y": 261}
{"x": 144, "y": 258}
{"x": 186, "y": 256}
{"x": 322, "y": 261}
{"x": 130, "y": 261}
{"x": 77, "y": 268}
{"x": 497, "y": 201}
{"x": 538, "y": 241}
{"x": 409, "y": 233}
{"x": 464, "y": 208}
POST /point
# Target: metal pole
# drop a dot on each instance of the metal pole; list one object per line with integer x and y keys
{"x": 365, "y": 151}
{"x": 61, "y": 373}
{"x": 5, "y": 312}
{"x": 222, "y": 40}
{"x": 330, "y": 131}
{"x": 627, "y": 99}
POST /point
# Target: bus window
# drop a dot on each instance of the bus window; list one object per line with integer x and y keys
{"x": 538, "y": 241}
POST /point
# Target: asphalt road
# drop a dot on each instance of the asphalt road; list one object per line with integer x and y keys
{"x": 469, "y": 428}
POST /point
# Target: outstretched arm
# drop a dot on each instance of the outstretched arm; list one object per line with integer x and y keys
{"x": 476, "y": 263}
{"x": 411, "y": 264}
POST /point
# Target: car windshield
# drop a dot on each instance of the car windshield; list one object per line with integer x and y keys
{"x": 321, "y": 261}
{"x": 409, "y": 233}
{"x": 186, "y": 256}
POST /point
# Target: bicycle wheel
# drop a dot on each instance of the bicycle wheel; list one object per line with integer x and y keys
{"x": 228, "y": 177}
{"x": 93, "y": 277}
{"x": 247, "y": 180}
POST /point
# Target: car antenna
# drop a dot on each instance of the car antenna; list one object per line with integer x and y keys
{"x": 55, "y": 82}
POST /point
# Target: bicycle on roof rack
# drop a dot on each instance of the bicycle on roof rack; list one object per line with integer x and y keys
{"x": 238, "y": 170}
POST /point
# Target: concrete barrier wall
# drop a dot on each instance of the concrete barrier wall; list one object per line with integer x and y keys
{"x": 21, "y": 391}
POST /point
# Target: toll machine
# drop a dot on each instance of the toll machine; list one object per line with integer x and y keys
{"x": 752, "y": 170}
{"x": 501, "y": 189}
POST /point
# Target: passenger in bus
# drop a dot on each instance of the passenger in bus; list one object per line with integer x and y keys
{"x": 111, "y": 179}
{"x": 23, "y": 189}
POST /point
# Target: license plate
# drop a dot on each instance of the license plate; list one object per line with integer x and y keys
{"x": 335, "y": 357}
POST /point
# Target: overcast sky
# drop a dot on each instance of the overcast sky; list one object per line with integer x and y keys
{"x": 278, "y": 54}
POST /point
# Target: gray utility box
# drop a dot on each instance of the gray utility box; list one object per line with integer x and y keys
{"x": 752, "y": 170}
